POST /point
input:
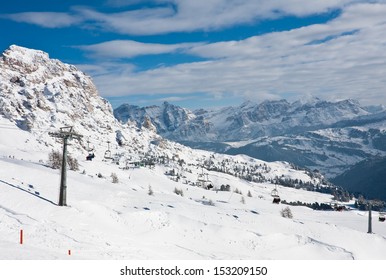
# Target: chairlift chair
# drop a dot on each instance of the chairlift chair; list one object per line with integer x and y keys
{"x": 275, "y": 195}
{"x": 90, "y": 151}
{"x": 107, "y": 154}
{"x": 90, "y": 156}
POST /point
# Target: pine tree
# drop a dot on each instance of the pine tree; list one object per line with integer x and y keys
{"x": 286, "y": 213}
{"x": 55, "y": 159}
{"x": 72, "y": 163}
{"x": 178, "y": 192}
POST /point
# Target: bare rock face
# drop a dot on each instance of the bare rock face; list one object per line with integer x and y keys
{"x": 148, "y": 124}
{"x": 39, "y": 92}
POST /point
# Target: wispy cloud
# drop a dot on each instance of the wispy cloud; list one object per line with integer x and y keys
{"x": 351, "y": 64}
{"x": 129, "y": 48}
{"x": 343, "y": 58}
{"x": 167, "y": 16}
{"x": 107, "y": 68}
{"x": 46, "y": 19}
{"x": 356, "y": 18}
{"x": 186, "y": 16}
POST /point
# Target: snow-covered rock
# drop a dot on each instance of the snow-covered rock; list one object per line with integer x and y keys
{"x": 41, "y": 95}
{"x": 328, "y": 136}
{"x": 245, "y": 122}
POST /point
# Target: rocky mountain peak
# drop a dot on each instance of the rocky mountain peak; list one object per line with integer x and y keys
{"x": 39, "y": 92}
{"x": 40, "y": 95}
{"x": 20, "y": 58}
{"x": 165, "y": 118}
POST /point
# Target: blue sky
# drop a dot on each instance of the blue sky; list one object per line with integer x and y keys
{"x": 207, "y": 53}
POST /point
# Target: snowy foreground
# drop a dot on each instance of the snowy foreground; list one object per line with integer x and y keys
{"x": 122, "y": 221}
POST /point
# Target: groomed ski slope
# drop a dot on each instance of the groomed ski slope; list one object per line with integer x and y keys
{"x": 122, "y": 221}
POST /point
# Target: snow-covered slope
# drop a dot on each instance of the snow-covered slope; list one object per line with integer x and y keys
{"x": 140, "y": 215}
{"x": 328, "y": 136}
{"x": 122, "y": 221}
{"x": 245, "y": 122}
{"x": 331, "y": 150}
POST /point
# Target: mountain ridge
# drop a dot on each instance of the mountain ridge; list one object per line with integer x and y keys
{"x": 317, "y": 134}
{"x": 248, "y": 120}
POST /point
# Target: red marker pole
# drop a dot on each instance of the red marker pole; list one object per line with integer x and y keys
{"x": 21, "y": 237}
{"x": 69, "y": 252}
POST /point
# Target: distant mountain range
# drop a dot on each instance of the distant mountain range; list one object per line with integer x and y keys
{"x": 318, "y": 134}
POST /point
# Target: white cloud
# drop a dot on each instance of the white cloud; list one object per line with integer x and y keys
{"x": 344, "y": 58}
{"x": 46, "y": 19}
{"x": 186, "y": 16}
{"x": 169, "y": 16}
{"x": 129, "y": 48}
{"x": 359, "y": 17}
{"x": 107, "y": 68}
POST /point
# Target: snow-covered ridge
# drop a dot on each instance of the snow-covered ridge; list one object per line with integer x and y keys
{"x": 317, "y": 134}
{"x": 245, "y": 122}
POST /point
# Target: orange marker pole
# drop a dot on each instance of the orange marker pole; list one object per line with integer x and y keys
{"x": 21, "y": 236}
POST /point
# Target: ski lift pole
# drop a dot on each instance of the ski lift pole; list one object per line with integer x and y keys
{"x": 65, "y": 133}
{"x": 63, "y": 177}
{"x": 370, "y": 220}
